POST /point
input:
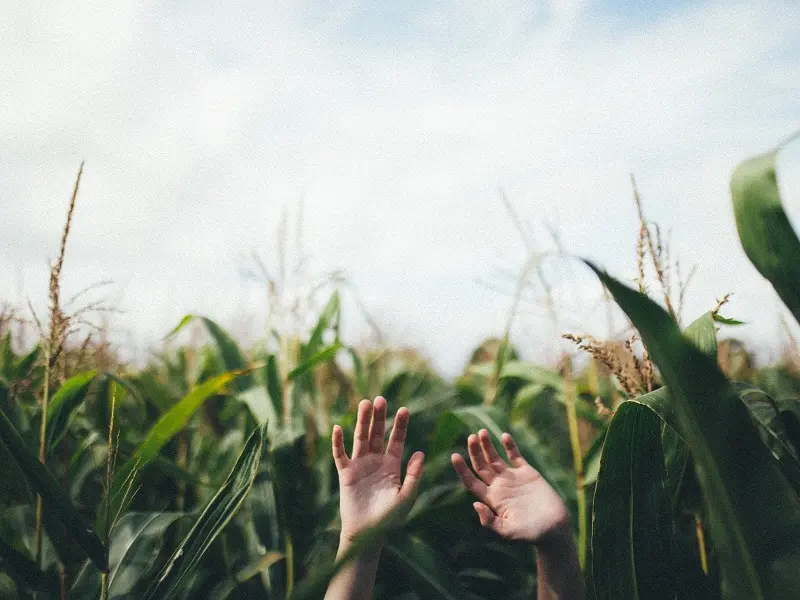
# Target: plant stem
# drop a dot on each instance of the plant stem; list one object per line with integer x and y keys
{"x": 42, "y": 450}
{"x": 577, "y": 459}
{"x": 109, "y": 476}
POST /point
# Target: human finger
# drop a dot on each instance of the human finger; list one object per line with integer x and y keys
{"x": 398, "y": 436}
{"x": 474, "y": 485}
{"x": 413, "y": 476}
{"x": 361, "y": 435}
{"x": 485, "y": 514}
{"x": 490, "y": 452}
{"x": 512, "y": 450}
{"x": 339, "y": 453}
{"x": 377, "y": 428}
{"x": 478, "y": 459}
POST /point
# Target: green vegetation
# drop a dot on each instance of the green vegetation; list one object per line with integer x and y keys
{"x": 208, "y": 473}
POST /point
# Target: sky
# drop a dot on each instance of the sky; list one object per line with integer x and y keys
{"x": 390, "y": 131}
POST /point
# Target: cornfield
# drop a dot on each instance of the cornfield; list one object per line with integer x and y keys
{"x": 208, "y": 473}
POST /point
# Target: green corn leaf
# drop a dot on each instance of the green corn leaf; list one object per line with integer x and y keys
{"x": 703, "y": 334}
{"x": 772, "y": 430}
{"x": 631, "y": 524}
{"x": 232, "y": 357}
{"x": 20, "y": 566}
{"x": 54, "y": 499}
{"x": 215, "y": 516}
{"x": 274, "y": 384}
{"x": 68, "y": 397}
{"x": 426, "y": 568}
{"x": 358, "y": 372}
{"x": 754, "y": 513}
{"x": 136, "y": 541}
{"x": 328, "y": 319}
{"x": 167, "y": 426}
{"x": 27, "y": 363}
{"x": 312, "y": 361}
{"x": 727, "y": 320}
{"x": 764, "y": 229}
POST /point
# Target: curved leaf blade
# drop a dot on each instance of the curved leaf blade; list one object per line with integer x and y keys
{"x": 68, "y": 397}
{"x": 754, "y": 513}
{"x": 54, "y": 499}
{"x": 167, "y": 426}
{"x": 215, "y": 516}
{"x": 764, "y": 229}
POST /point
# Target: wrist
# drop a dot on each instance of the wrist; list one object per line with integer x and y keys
{"x": 366, "y": 545}
{"x": 557, "y": 540}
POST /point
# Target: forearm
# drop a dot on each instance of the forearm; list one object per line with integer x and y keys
{"x": 558, "y": 570}
{"x": 356, "y": 580}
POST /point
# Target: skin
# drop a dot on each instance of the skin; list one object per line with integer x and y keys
{"x": 370, "y": 488}
{"x": 514, "y": 500}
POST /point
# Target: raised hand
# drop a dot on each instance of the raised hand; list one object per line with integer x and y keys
{"x": 370, "y": 485}
{"x": 514, "y": 500}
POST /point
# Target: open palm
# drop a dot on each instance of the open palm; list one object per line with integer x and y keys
{"x": 514, "y": 500}
{"x": 370, "y": 485}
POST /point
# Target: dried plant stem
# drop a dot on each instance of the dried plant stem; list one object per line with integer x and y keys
{"x": 570, "y": 398}
{"x": 656, "y": 250}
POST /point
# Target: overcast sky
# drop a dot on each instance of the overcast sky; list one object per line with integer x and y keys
{"x": 394, "y": 124}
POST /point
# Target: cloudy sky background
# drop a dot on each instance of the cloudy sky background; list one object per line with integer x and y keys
{"x": 394, "y": 124}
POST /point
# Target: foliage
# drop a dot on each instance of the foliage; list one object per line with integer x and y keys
{"x": 208, "y": 473}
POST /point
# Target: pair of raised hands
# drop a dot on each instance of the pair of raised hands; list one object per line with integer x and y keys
{"x": 513, "y": 499}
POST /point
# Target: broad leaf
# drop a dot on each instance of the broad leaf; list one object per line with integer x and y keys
{"x": 631, "y": 524}
{"x": 764, "y": 229}
{"x": 754, "y": 513}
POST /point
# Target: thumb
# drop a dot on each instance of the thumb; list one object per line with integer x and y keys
{"x": 487, "y": 516}
{"x": 413, "y": 476}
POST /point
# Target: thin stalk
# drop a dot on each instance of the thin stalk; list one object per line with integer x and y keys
{"x": 42, "y": 451}
{"x": 289, "y": 548}
{"x": 577, "y": 459}
{"x": 109, "y": 477}
{"x": 701, "y": 544}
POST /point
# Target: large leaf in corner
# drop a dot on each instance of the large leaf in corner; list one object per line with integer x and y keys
{"x": 54, "y": 500}
{"x": 754, "y": 513}
{"x": 764, "y": 229}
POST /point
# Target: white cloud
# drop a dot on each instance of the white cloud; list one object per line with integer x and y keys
{"x": 198, "y": 122}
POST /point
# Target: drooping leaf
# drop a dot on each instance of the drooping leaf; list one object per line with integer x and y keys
{"x": 54, "y": 499}
{"x": 764, "y": 229}
{"x": 215, "y": 516}
{"x": 754, "y": 513}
